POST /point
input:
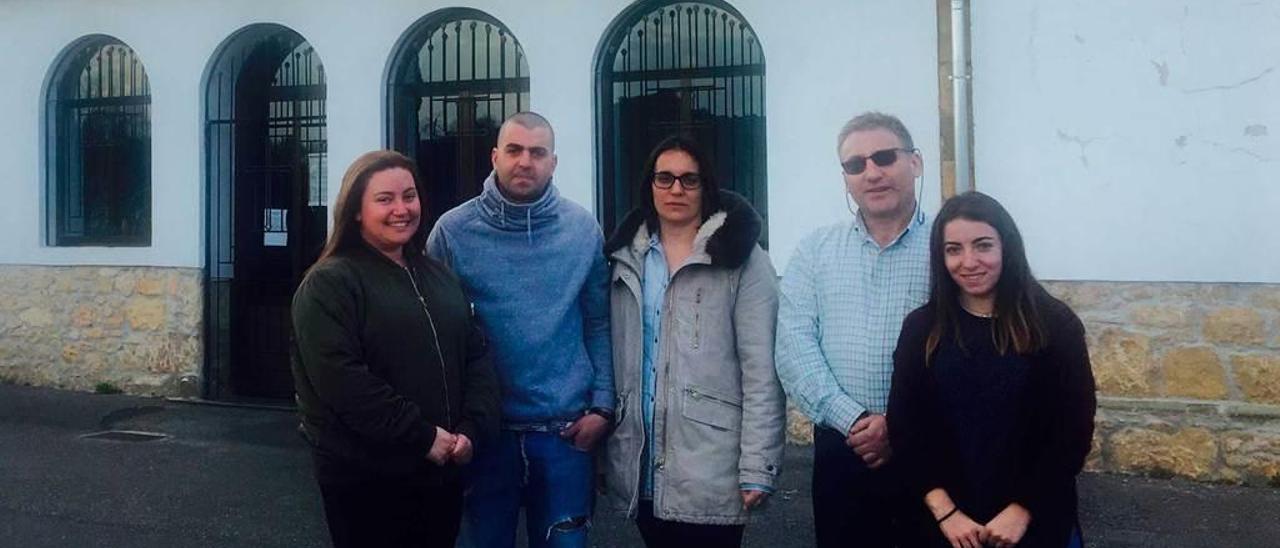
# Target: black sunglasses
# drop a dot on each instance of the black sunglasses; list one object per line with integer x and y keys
{"x": 688, "y": 181}
{"x": 883, "y": 158}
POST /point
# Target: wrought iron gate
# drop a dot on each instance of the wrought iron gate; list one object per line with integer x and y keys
{"x": 679, "y": 67}
{"x": 266, "y": 161}
{"x": 455, "y": 76}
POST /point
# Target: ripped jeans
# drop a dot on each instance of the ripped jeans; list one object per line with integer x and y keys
{"x": 537, "y": 470}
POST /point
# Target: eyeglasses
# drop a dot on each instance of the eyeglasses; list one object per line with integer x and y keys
{"x": 688, "y": 181}
{"x": 883, "y": 158}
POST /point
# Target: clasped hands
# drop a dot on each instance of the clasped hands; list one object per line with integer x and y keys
{"x": 449, "y": 447}
{"x": 869, "y": 438}
{"x": 1003, "y": 531}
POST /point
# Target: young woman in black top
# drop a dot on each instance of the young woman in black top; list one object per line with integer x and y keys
{"x": 395, "y": 387}
{"x": 993, "y": 396}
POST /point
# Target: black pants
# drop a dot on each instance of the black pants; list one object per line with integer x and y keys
{"x": 381, "y": 512}
{"x": 852, "y": 505}
{"x": 659, "y": 533}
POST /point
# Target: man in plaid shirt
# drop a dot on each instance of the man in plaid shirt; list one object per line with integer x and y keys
{"x": 845, "y": 293}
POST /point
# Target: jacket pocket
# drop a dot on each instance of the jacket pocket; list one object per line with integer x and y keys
{"x": 719, "y": 411}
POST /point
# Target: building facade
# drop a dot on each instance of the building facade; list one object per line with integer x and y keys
{"x": 168, "y": 168}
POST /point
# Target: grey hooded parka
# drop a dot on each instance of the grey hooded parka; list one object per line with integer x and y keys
{"x": 719, "y": 411}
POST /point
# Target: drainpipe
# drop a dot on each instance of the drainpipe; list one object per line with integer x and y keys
{"x": 961, "y": 79}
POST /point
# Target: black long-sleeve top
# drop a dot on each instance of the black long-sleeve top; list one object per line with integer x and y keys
{"x": 383, "y": 354}
{"x": 995, "y": 429}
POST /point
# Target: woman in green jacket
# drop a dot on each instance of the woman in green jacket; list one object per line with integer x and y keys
{"x": 393, "y": 381}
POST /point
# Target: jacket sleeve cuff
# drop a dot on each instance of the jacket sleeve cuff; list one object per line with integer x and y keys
{"x": 604, "y": 399}
{"x": 427, "y": 440}
{"x": 759, "y": 472}
{"x": 755, "y": 487}
{"x": 842, "y": 414}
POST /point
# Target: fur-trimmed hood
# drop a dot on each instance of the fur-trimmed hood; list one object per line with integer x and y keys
{"x": 727, "y": 237}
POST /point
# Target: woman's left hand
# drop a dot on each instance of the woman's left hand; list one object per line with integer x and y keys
{"x": 1007, "y": 528}
{"x": 752, "y": 498}
{"x": 462, "y": 450}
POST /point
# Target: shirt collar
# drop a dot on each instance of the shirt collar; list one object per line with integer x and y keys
{"x": 655, "y": 242}
{"x": 918, "y": 219}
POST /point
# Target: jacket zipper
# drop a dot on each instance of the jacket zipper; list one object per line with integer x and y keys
{"x": 697, "y": 316}
{"x": 444, "y": 375}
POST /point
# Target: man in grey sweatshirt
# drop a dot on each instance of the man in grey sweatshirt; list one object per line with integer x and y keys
{"x": 533, "y": 264}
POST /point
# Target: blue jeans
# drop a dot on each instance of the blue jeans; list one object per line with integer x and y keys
{"x": 540, "y": 471}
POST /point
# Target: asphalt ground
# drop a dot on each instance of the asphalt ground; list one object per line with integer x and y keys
{"x": 236, "y": 476}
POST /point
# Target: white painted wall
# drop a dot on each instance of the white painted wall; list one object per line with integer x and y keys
{"x": 1133, "y": 141}
{"x": 826, "y": 60}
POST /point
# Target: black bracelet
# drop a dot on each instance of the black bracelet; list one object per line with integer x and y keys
{"x": 949, "y": 514}
{"x": 606, "y": 414}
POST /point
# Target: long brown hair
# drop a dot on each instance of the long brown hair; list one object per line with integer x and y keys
{"x": 1016, "y": 321}
{"x": 346, "y": 229}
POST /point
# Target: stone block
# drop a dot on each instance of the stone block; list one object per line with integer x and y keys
{"x": 150, "y": 285}
{"x": 1235, "y": 326}
{"x": 1134, "y": 292}
{"x": 1194, "y": 372}
{"x": 1267, "y": 296}
{"x": 145, "y": 313}
{"x": 1094, "y": 461}
{"x": 1122, "y": 363}
{"x": 799, "y": 427}
{"x": 71, "y": 352}
{"x": 1162, "y": 316}
{"x": 82, "y": 316}
{"x": 36, "y": 317}
{"x": 1256, "y": 456}
{"x": 114, "y": 319}
{"x": 1081, "y": 296}
{"x": 126, "y": 281}
{"x": 1258, "y": 377}
{"x": 1190, "y": 453}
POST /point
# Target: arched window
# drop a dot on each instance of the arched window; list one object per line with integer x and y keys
{"x": 452, "y": 79}
{"x": 266, "y": 160}
{"x": 98, "y": 147}
{"x": 669, "y": 67}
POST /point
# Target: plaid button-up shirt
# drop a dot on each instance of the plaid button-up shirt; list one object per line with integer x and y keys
{"x": 841, "y": 306}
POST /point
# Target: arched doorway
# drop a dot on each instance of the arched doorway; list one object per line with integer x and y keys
{"x": 265, "y": 164}
{"x": 452, "y": 79}
{"x": 668, "y": 67}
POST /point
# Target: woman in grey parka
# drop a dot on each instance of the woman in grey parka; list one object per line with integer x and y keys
{"x": 701, "y": 415}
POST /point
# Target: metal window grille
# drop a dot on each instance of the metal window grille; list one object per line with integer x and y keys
{"x": 679, "y": 67}
{"x": 454, "y": 77}
{"x": 98, "y": 153}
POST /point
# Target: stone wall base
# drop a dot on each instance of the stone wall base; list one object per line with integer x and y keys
{"x": 137, "y": 329}
{"x": 1188, "y": 378}
{"x": 1226, "y": 442}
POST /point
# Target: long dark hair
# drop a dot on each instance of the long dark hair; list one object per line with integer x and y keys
{"x": 1016, "y": 322}
{"x": 346, "y": 229}
{"x": 706, "y": 170}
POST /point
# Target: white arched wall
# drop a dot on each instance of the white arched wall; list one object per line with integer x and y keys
{"x": 826, "y": 62}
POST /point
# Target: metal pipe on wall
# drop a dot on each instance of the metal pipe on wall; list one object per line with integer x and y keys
{"x": 961, "y": 81}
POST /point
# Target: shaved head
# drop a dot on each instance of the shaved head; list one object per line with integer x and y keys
{"x": 528, "y": 120}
